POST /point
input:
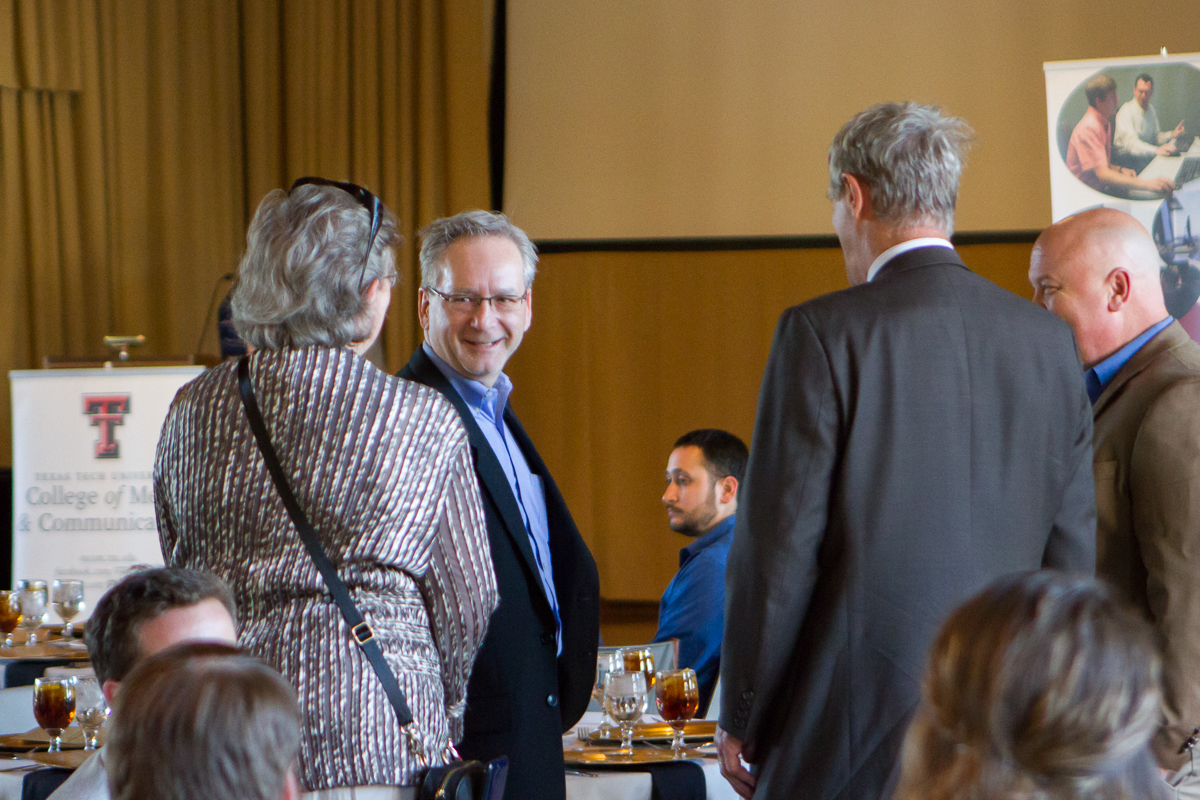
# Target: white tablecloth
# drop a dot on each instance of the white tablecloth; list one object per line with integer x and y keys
{"x": 11, "y": 782}
{"x": 613, "y": 785}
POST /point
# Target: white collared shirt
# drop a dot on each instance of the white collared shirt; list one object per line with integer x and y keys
{"x": 904, "y": 247}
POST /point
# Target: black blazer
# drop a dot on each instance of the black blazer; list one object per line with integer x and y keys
{"x": 917, "y": 437}
{"x": 522, "y": 697}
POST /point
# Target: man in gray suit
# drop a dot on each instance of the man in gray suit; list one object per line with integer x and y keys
{"x": 918, "y": 435}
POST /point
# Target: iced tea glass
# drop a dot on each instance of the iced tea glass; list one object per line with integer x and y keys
{"x": 10, "y": 614}
{"x": 678, "y": 701}
{"x": 54, "y": 707}
{"x": 640, "y": 660}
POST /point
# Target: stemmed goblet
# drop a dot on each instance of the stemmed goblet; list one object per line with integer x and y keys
{"x": 68, "y": 602}
{"x": 33, "y": 607}
{"x": 54, "y": 707}
{"x": 10, "y": 614}
{"x": 678, "y": 694}
{"x": 605, "y": 663}
{"x": 90, "y": 710}
{"x": 625, "y": 702}
{"x": 640, "y": 660}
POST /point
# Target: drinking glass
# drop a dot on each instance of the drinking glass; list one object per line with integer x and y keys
{"x": 625, "y": 702}
{"x": 678, "y": 701}
{"x": 33, "y": 607}
{"x": 605, "y": 663}
{"x": 54, "y": 707}
{"x": 68, "y": 602}
{"x": 10, "y": 614}
{"x": 90, "y": 710}
{"x": 640, "y": 660}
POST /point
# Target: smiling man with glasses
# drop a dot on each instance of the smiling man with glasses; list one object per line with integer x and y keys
{"x": 533, "y": 676}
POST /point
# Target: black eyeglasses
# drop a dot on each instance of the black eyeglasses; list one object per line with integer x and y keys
{"x": 365, "y": 199}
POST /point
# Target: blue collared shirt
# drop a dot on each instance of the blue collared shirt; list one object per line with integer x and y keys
{"x": 487, "y": 406}
{"x": 693, "y": 606}
{"x": 1099, "y": 376}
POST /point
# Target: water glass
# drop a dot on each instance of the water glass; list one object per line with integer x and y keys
{"x": 625, "y": 702}
{"x": 68, "y": 602}
{"x": 33, "y": 599}
{"x": 91, "y": 710}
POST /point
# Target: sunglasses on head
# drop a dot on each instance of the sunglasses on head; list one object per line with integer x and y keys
{"x": 365, "y": 199}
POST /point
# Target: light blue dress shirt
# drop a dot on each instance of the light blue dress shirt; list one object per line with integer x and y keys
{"x": 487, "y": 406}
{"x": 1102, "y": 374}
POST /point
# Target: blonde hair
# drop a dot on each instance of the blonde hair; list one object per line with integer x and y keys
{"x": 1041, "y": 687}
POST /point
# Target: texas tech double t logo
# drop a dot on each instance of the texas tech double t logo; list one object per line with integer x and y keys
{"x": 107, "y": 412}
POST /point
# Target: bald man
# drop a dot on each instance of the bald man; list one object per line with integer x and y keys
{"x": 1099, "y": 271}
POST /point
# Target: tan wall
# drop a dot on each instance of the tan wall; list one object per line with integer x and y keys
{"x": 630, "y": 350}
{"x": 651, "y": 118}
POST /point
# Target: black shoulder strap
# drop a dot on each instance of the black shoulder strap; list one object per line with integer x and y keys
{"x": 361, "y": 631}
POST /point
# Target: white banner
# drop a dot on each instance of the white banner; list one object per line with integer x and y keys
{"x": 1156, "y": 97}
{"x": 83, "y": 457}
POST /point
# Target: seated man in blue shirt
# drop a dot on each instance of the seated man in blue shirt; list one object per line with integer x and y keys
{"x": 703, "y": 474}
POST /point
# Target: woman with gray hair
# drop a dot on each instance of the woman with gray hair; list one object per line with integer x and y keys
{"x": 1041, "y": 687}
{"x": 382, "y": 470}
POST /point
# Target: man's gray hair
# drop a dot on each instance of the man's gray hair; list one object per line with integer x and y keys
{"x": 301, "y": 279}
{"x": 441, "y": 233}
{"x": 911, "y": 158}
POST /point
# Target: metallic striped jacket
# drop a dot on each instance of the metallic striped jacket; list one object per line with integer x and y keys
{"x": 383, "y": 470}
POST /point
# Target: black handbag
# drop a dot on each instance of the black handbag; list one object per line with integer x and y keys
{"x": 455, "y": 780}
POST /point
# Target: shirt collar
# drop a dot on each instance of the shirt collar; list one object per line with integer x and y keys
{"x": 1107, "y": 369}
{"x": 904, "y": 247}
{"x": 475, "y": 394}
{"x": 720, "y": 531}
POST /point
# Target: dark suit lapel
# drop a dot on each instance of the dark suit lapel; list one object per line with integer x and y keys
{"x": 492, "y": 479}
{"x": 1171, "y": 337}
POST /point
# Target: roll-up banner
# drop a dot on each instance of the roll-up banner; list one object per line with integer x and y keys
{"x": 83, "y": 458}
{"x": 1135, "y": 150}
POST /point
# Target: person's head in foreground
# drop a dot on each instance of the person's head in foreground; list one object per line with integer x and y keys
{"x": 893, "y": 176}
{"x": 1099, "y": 271}
{"x": 151, "y": 610}
{"x": 201, "y": 721}
{"x": 318, "y": 270}
{"x": 1041, "y": 687}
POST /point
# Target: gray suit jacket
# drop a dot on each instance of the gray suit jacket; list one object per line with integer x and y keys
{"x": 917, "y": 437}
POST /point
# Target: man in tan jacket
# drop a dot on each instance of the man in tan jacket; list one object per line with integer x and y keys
{"x": 1099, "y": 271}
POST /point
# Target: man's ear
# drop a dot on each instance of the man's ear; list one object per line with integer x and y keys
{"x": 1119, "y": 287}
{"x": 109, "y": 689}
{"x": 727, "y": 489}
{"x": 423, "y": 308}
{"x": 858, "y": 197}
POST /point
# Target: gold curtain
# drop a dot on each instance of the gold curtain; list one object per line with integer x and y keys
{"x": 137, "y": 137}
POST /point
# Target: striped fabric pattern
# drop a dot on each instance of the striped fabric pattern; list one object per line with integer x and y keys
{"x": 383, "y": 470}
